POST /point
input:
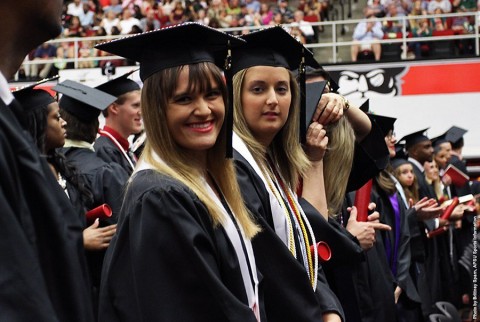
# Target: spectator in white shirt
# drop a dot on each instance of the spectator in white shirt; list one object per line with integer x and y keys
{"x": 366, "y": 36}
{"x": 304, "y": 26}
{"x": 445, "y": 5}
{"x": 75, "y": 8}
{"x": 127, "y": 22}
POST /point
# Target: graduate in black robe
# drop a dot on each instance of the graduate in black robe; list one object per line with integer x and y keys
{"x": 183, "y": 247}
{"x": 42, "y": 267}
{"x": 391, "y": 202}
{"x": 122, "y": 119}
{"x": 80, "y": 107}
{"x": 431, "y": 253}
{"x": 303, "y": 293}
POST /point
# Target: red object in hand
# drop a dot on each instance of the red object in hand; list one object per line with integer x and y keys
{"x": 323, "y": 251}
{"x": 446, "y": 215}
{"x": 362, "y": 200}
{"x": 448, "y": 211}
{"x": 101, "y": 212}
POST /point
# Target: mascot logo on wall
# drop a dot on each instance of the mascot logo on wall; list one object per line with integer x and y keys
{"x": 370, "y": 83}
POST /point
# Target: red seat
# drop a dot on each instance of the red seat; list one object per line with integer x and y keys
{"x": 448, "y": 32}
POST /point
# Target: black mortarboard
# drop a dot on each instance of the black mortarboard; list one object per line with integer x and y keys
{"x": 414, "y": 138}
{"x": 315, "y": 72}
{"x": 120, "y": 85}
{"x": 178, "y": 45}
{"x": 82, "y": 101}
{"x": 384, "y": 122}
{"x": 31, "y": 98}
{"x": 272, "y": 46}
{"x": 314, "y": 92}
{"x": 365, "y": 107}
{"x": 398, "y": 161}
{"x": 455, "y": 134}
{"x": 436, "y": 141}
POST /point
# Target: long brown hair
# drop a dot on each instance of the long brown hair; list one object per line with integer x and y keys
{"x": 157, "y": 91}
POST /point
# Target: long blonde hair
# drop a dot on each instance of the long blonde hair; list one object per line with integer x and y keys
{"x": 157, "y": 91}
{"x": 285, "y": 149}
{"x": 337, "y": 163}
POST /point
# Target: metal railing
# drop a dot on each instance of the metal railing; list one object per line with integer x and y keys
{"x": 334, "y": 30}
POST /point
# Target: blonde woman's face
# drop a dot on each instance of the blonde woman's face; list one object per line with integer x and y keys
{"x": 431, "y": 170}
{"x": 195, "y": 119}
{"x": 266, "y": 99}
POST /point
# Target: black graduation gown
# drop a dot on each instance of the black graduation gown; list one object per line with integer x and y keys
{"x": 288, "y": 292}
{"x": 109, "y": 152}
{"x": 42, "y": 265}
{"x": 385, "y": 208}
{"x": 433, "y": 283}
{"x": 381, "y": 283}
{"x": 106, "y": 182}
{"x": 167, "y": 262}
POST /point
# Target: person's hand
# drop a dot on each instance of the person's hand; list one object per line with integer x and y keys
{"x": 331, "y": 317}
{"x": 426, "y": 208}
{"x": 364, "y": 231}
{"x": 397, "y": 293}
{"x": 95, "y": 238}
{"x": 457, "y": 212}
{"x": 316, "y": 143}
{"x": 329, "y": 109}
{"x": 446, "y": 180}
{"x": 443, "y": 222}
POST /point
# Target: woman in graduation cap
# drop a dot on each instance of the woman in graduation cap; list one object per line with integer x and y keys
{"x": 270, "y": 161}
{"x": 48, "y": 131}
{"x": 183, "y": 246}
{"x": 393, "y": 205}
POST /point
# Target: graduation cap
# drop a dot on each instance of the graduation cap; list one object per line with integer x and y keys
{"x": 120, "y": 85}
{"x": 398, "y": 161}
{"x": 272, "y": 46}
{"x": 455, "y": 134}
{"x": 314, "y": 92}
{"x": 311, "y": 72}
{"x": 31, "y": 98}
{"x": 82, "y": 101}
{"x": 365, "y": 107}
{"x": 436, "y": 141}
{"x": 414, "y": 138}
{"x": 384, "y": 122}
{"x": 182, "y": 44}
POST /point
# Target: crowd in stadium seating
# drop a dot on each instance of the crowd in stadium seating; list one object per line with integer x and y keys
{"x": 368, "y": 32}
{"x": 87, "y": 18}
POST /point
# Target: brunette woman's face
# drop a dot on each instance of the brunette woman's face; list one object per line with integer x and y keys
{"x": 195, "y": 119}
{"x": 406, "y": 175}
{"x": 55, "y": 132}
{"x": 441, "y": 158}
{"x": 266, "y": 100}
